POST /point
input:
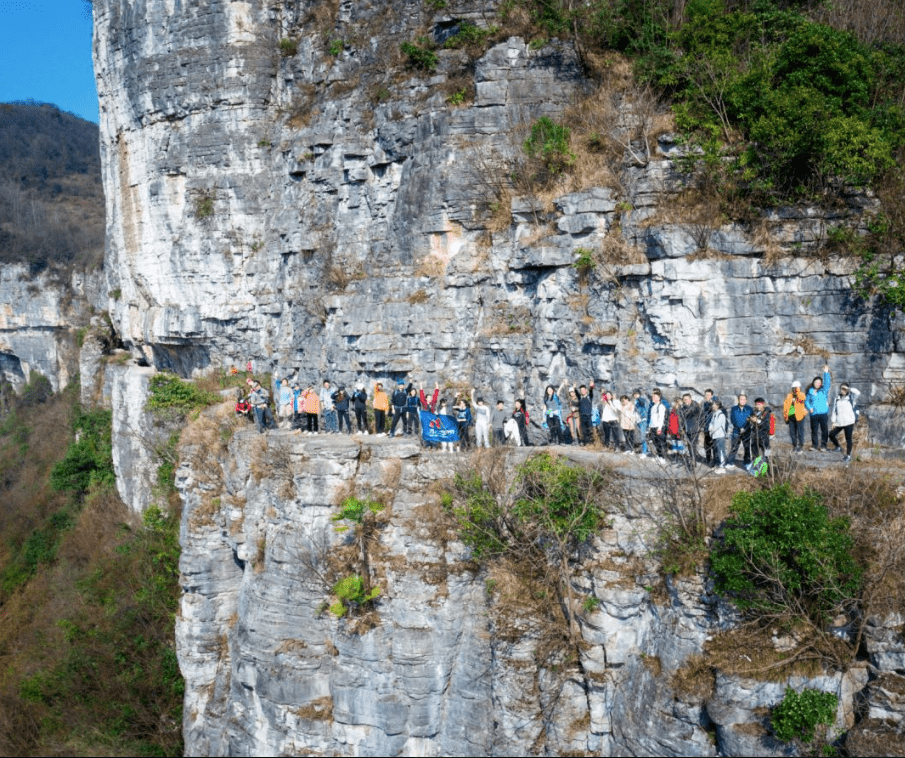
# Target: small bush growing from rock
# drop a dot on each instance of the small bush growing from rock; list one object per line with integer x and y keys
{"x": 170, "y": 393}
{"x": 352, "y": 594}
{"x": 420, "y": 56}
{"x": 797, "y": 716}
{"x": 781, "y": 554}
{"x": 549, "y": 142}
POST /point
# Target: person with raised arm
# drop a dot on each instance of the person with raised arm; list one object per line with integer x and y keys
{"x": 817, "y": 401}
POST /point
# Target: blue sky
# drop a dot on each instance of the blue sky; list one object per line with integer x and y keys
{"x": 45, "y": 54}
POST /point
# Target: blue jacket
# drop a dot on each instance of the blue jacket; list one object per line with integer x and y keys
{"x": 739, "y": 417}
{"x": 642, "y": 405}
{"x": 463, "y": 415}
{"x": 817, "y": 401}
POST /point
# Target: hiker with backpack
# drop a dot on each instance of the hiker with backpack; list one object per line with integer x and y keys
{"x": 259, "y": 398}
{"x": 845, "y": 416}
{"x": 585, "y": 411}
{"x": 381, "y": 405}
{"x": 462, "y": 414}
{"x": 360, "y": 406}
{"x": 690, "y": 417}
{"x": 311, "y": 405}
{"x": 642, "y": 409}
{"x": 284, "y": 402}
{"x": 327, "y": 408}
{"x": 482, "y": 421}
{"x": 609, "y": 419}
{"x": 741, "y": 433}
{"x": 341, "y": 404}
{"x": 659, "y": 413}
{"x": 521, "y": 419}
{"x": 760, "y": 426}
{"x": 398, "y": 401}
{"x": 628, "y": 421}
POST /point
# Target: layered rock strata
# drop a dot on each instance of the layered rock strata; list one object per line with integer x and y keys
{"x": 441, "y": 667}
{"x": 337, "y": 215}
{"x": 40, "y": 321}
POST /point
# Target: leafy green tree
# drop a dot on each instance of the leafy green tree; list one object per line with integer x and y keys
{"x": 89, "y": 460}
{"x": 781, "y": 555}
{"x": 551, "y": 509}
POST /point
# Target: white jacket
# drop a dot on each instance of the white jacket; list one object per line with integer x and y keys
{"x": 844, "y": 408}
{"x": 610, "y": 410}
{"x": 719, "y": 425}
{"x": 657, "y": 416}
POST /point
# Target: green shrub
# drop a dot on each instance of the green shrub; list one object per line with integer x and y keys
{"x": 797, "y": 716}
{"x": 535, "y": 526}
{"x": 352, "y": 595}
{"x": 420, "y": 56}
{"x": 549, "y": 143}
{"x": 469, "y": 35}
{"x": 781, "y": 553}
{"x": 204, "y": 206}
{"x": 88, "y": 461}
{"x": 353, "y": 509}
{"x": 335, "y": 47}
{"x": 288, "y": 47}
{"x": 584, "y": 260}
{"x": 169, "y": 393}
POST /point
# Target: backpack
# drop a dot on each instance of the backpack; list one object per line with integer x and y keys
{"x": 673, "y": 424}
{"x": 759, "y": 466}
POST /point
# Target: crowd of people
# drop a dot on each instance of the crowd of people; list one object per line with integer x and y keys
{"x": 684, "y": 431}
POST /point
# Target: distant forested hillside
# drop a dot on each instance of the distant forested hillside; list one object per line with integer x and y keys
{"x": 51, "y": 198}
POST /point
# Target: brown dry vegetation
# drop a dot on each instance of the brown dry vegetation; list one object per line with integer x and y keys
{"x": 90, "y": 603}
{"x": 51, "y": 199}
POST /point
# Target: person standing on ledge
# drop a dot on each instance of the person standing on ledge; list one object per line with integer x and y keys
{"x": 817, "y": 403}
{"x": 326, "y": 398}
{"x": 793, "y": 412}
{"x": 381, "y": 406}
{"x": 258, "y": 397}
{"x": 845, "y": 414}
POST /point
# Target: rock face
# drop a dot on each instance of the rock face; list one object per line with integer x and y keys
{"x": 39, "y": 321}
{"x": 442, "y": 666}
{"x": 337, "y": 215}
{"x": 283, "y": 187}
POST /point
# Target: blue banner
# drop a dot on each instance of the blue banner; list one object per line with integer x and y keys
{"x": 436, "y": 428}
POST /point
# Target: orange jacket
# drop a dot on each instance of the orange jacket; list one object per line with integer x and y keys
{"x": 381, "y": 401}
{"x": 796, "y": 396}
{"x": 311, "y": 402}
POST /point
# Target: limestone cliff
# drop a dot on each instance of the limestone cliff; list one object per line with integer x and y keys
{"x": 328, "y": 209}
{"x": 446, "y": 664}
{"x": 40, "y": 318}
{"x": 282, "y": 187}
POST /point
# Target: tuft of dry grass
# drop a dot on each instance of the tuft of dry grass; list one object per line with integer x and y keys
{"x": 896, "y": 396}
{"x": 317, "y": 710}
{"x": 695, "y": 678}
{"x": 418, "y": 297}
